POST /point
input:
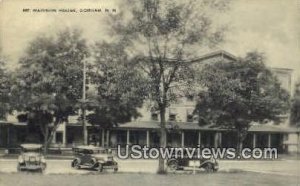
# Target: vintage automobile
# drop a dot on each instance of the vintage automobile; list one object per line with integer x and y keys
{"x": 31, "y": 158}
{"x": 92, "y": 157}
{"x": 180, "y": 162}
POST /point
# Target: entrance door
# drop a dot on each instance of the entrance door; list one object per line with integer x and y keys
{"x": 59, "y": 137}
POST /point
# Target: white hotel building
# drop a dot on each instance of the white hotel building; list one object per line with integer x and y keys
{"x": 183, "y": 128}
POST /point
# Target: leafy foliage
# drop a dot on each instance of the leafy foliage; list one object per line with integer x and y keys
{"x": 161, "y": 37}
{"x": 295, "y": 108}
{"x": 5, "y": 85}
{"x": 49, "y": 81}
{"x": 240, "y": 92}
{"x": 120, "y": 87}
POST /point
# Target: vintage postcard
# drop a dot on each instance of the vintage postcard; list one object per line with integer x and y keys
{"x": 149, "y": 92}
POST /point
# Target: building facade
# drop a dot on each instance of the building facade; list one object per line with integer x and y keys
{"x": 182, "y": 126}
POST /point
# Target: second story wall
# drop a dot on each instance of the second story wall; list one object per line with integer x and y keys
{"x": 182, "y": 111}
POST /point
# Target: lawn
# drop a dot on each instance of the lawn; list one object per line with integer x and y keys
{"x": 135, "y": 179}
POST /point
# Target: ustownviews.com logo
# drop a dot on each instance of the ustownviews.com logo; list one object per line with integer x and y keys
{"x": 144, "y": 152}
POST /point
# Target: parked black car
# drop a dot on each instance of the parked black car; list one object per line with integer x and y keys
{"x": 31, "y": 158}
{"x": 92, "y": 157}
{"x": 180, "y": 162}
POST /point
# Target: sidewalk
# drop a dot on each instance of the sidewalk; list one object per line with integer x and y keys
{"x": 63, "y": 166}
{"x": 70, "y": 156}
{"x": 49, "y": 156}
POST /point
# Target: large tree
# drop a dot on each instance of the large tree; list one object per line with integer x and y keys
{"x": 5, "y": 85}
{"x": 161, "y": 37}
{"x": 120, "y": 88}
{"x": 295, "y": 108}
{"x": 48, "y": 83}
{"x": 240, "y": 92}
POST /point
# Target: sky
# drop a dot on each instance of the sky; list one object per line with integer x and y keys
{"x": 268, "y": 26}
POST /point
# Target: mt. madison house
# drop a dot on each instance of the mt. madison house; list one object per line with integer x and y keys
{"x": 183, "y": 127}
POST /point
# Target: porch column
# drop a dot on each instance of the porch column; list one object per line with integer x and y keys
{"x": 102, "y": 137}
{"x": 8, "y": 140}
{"x": 107, "y": 138}
{"x": 298, "y": 143}
{"x": 217, "y": 140}
{"x": 54, "y": 138}
{"x": 148, "y": 138}
{"x": 182, "y": 139}
{"x": 269, "y": 140}
{"x": 254, "y": 140}
{"x": 64, "y": 140}
{"x": 220, "y": 139}
{"x": 199, "y": 138}
{"x": 128, "y": 137}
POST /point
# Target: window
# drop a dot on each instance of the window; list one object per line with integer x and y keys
{"x": 195, "y": 118}
{"x": 285, "y": 137}
{"x": 190, "y": 115}
{"x": 59, "y": 137}
{"x": 190, "y": 98}
{"x": 172, "y": 117}
{"x": 154, "y": 116}
{"x": 172, "y": 114}
{"x": 189, "y": 118}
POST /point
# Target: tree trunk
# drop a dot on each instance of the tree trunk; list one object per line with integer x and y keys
{"x": 241, "y": 137}
{"x": 163, "y": 140}
{"x": 85, "y": 133}
{"x": 102, "y": 137}
{"x": 49, "y": 136}
{"x": 46, "y": 140}
{"x": 239, "y": 147}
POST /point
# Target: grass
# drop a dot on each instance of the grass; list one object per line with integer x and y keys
{"x": 239, "y": 178}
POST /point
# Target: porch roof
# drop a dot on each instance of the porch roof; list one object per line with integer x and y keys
{"x": 139, "y": 125}
{"x": 195, "y": 126}
{"x": 13, "y": 123}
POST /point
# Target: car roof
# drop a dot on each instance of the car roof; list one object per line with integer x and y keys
{"x": 89, "y": 147}
{"x": 31, "y": 146}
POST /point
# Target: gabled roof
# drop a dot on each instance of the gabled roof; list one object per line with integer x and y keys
{"x": 283, "y": 70}
{"x": 220, "y": 53}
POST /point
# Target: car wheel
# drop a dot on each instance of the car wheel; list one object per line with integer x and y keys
{"x": 209, "y": 168}
{"x": 215, "y": 169}
{"x": 173, "y": 165}
{"x": 76, "y": 164}
{"x": 19, "y": 168}
{"x": 100, "y": 167}
{"x": 116, "y": 169}
{"x": 44, "y": 165}
{"x": 41, "y": 170}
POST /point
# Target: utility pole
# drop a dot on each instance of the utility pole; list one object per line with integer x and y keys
{"x": 85, "y": 137}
